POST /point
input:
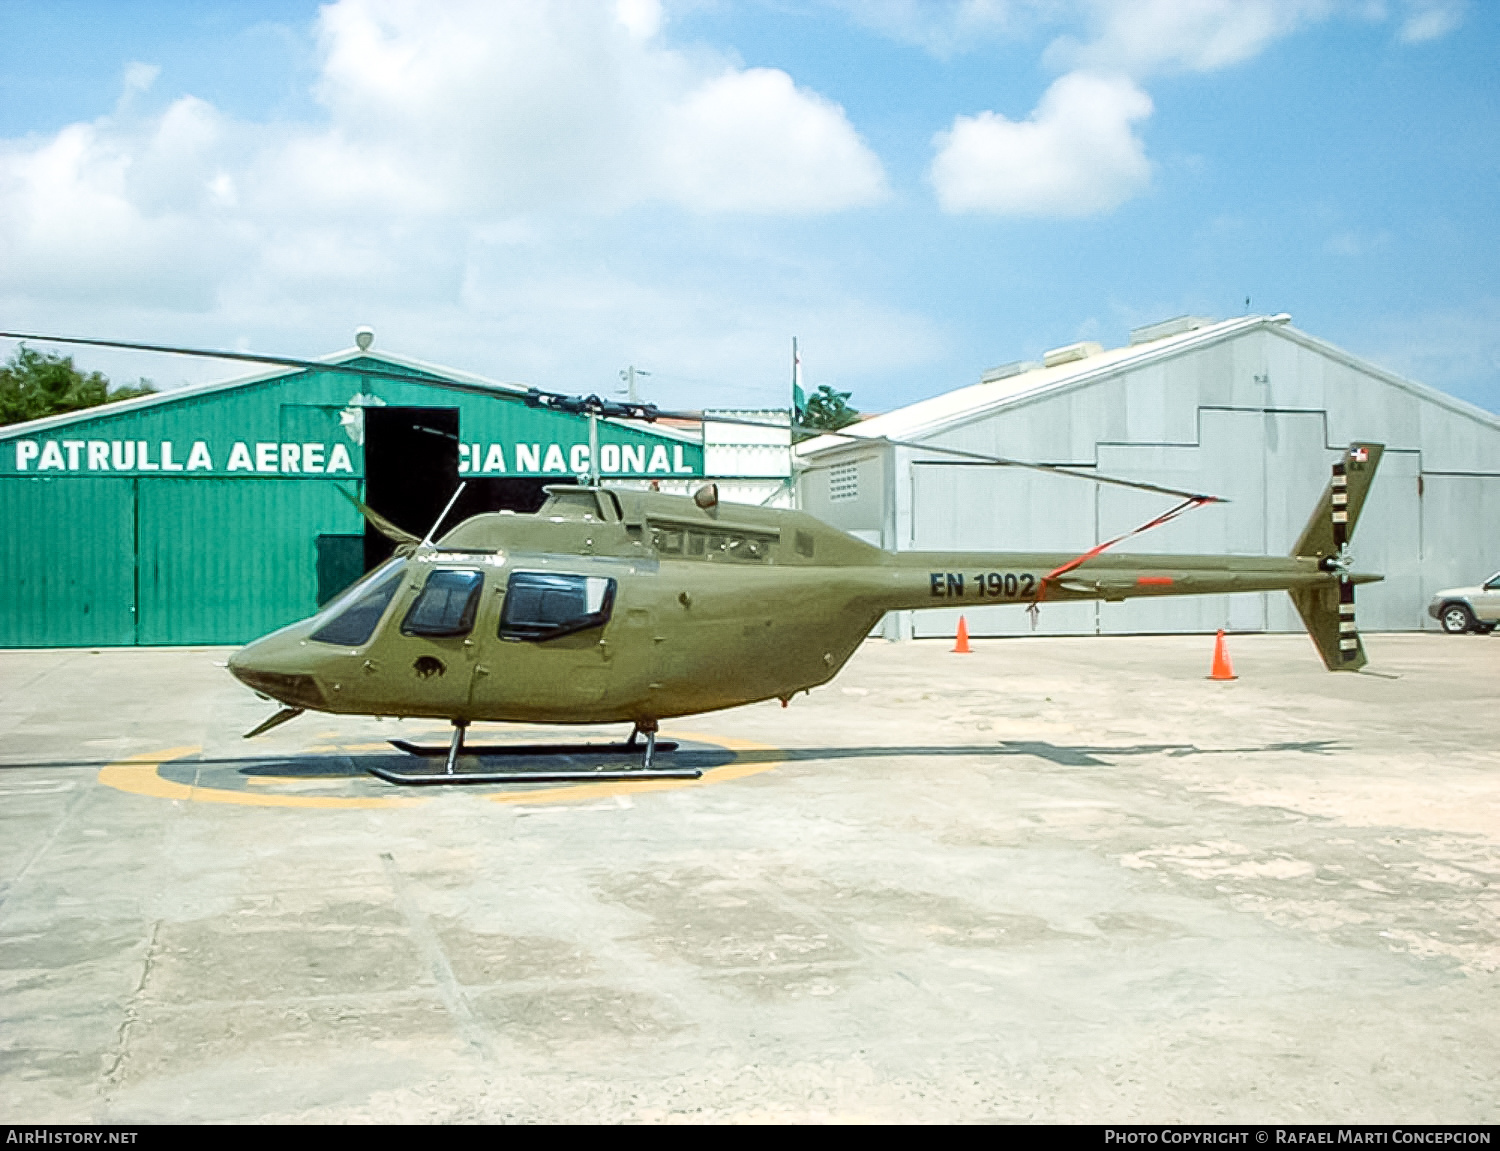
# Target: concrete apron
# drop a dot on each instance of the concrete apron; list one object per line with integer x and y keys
{"x": 1055, "y": 879}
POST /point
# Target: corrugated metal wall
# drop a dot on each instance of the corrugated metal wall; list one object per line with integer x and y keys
{"x": 249, "y": 564}
{"x": 1258, "y": 418}
{"x": 195, "y": 520}
{"x": 67, "y": 550}
{"x": 103, "y": 562}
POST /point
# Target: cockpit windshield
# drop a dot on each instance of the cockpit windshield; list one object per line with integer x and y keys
{"x": 350, "y": 620}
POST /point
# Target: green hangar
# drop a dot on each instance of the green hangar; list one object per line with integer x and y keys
{"x": 216, "y": 513}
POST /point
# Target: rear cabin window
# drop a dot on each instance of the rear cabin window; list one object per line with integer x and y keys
{"x": 353, "y": 616}
{"x": 545, "y": 605}
{"x": 447, "y": 605}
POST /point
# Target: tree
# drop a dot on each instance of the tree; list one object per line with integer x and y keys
{"x": 827, "y": 410}
{"x": 35, "y": 384}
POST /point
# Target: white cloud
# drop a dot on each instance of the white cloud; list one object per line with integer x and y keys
{"x": 1137, "y": 37}
{"x": 471, "y": 112}
{"x": 476, "y": 184}
{"x": 139, "y": 78}
{"x": 717, "y": 331}
{"x": 1430, "y": 20}
{"x": 750, "y": 141}
{"x": 1140, "y": 37}
{"x": 947, "y": 27}
{"x": 641, "y": 18}
{"x": 1077, "y": 154}
{"x": 514, "y": 107}
{"x": 115, "y": 208}
{"x": 442, "y": 124}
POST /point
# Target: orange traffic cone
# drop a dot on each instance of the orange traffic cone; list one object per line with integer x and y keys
{"x": 1222, "y": 668}
{"x": 962, "y": 646}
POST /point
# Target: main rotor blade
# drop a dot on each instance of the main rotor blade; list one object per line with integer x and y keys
{"x": 407, "y": 377}
{"x": 609, "y": 409}
{"x": 531, "y": 397}
{"x": 1054, "y": 469}
{"x": 999, "y": 461}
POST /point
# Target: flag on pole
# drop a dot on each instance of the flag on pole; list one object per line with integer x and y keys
{"x": 799, "y": 400}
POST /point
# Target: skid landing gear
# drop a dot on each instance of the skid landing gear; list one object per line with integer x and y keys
{"x": 455, "y": 748}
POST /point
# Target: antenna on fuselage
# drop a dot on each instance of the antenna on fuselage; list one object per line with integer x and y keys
{"x": 427, "y": 542}
{"x": 594, "y": 472}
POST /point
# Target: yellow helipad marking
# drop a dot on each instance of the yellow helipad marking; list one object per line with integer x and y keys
{"x": 139, "y": 775}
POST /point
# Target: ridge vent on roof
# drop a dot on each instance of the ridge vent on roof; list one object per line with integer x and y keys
{"x": 1164, "y": 328}
{"x": 1079, "y": 351}
{"x": 1005, "y": 371}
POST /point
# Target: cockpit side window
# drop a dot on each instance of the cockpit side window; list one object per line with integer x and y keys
{"x": 447, "y": 605}
{"x": 351, "y": 618}
{"x": 545, "y": 605}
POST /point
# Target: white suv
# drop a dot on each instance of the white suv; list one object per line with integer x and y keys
{"x": 1461, "y": 609}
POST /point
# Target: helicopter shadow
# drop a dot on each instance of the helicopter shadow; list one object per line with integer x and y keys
{"x": 1064, "y": 755}
{"x": 704, "y": 757}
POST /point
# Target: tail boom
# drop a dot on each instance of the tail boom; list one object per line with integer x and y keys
{"x": 1316, "y": 574}
{"x": 964, "y": 579}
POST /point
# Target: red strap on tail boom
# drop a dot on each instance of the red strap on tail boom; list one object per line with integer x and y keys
{"x": 1051, "y": 577}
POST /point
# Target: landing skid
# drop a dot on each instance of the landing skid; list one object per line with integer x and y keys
{"x": 597, "y": 775}
{"x": 533, "y": 748}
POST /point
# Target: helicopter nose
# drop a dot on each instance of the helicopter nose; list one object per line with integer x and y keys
{"x": 271, "y": 668}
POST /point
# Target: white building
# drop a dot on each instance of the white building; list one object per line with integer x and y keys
{"x": 749, "y": 458}
{"x": 1250, "y": 409}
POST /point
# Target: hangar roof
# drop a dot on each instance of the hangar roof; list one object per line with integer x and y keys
{"x": 929, "y": 417}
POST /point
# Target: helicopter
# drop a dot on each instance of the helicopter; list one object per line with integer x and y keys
{"x": 611, "y": 605}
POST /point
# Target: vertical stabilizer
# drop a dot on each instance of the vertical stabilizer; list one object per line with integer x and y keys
{"x": 1328, "y": 611}
{"x": 1319, "y": 609}
{"x": 1317, "y": 539}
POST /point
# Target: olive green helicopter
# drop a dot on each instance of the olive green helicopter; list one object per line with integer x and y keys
{"x": 610, "y": 605}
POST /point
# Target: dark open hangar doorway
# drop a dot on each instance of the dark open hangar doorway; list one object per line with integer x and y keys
{"x": 411, "y": 472}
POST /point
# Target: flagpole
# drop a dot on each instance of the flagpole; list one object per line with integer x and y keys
{"x": 799, "y": 399}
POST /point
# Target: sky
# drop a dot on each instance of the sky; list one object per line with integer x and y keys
{"x": 916, "y": 190}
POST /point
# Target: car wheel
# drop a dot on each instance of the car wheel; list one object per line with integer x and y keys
{"x": 1456, "y": 618}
